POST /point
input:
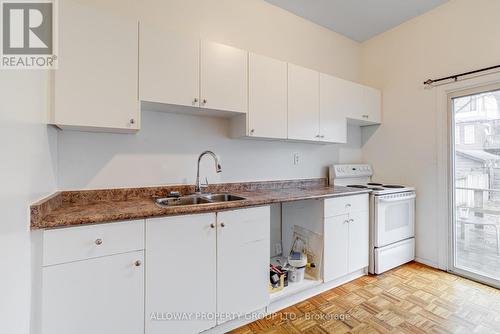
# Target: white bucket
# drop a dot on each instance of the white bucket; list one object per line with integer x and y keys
{"x": 297, "y": 270}
{"x": 296, "y": 275}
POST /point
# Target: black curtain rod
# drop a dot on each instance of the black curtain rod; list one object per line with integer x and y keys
{"x": 456, "y": 76}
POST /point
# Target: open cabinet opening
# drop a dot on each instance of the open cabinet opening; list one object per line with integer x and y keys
{"x": 296, "y": 248}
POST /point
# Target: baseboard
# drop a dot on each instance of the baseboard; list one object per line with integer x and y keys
{"x": 429, "y": 263}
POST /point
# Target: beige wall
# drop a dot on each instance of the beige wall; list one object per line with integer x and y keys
{"x": 28, "y": 172}
{"x": 166, "y": 148}
{"x": 253, "y": 25}
{"x": 459, "y": 36}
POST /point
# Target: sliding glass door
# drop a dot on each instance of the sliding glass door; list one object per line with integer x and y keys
{"x": 475, "y": 156}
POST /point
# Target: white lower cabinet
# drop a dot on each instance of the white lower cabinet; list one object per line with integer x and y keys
{"x": 205, "y": 265}
{"x": 180, "y": 273}
{"x": 92, "y": 279}
{"x": 346, "y": 237}
{"x": 358, "y": 240}
{"x": 336, "y": 247}
{"x": 101, "y": 295}
{"x": 242, "y": 261}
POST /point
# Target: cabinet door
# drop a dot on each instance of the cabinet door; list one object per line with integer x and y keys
{"x": 332, "y": 115}
{"x": 224, "y": 77}
{"x": 96, "y": 83}
{"x": 353, "y": 99}
{"x": 267, "y": 89}
{"x": 358, "y": 240}
{"x": 102, "y": 295}
{"x": 243, "y": 260}
{"x": 169, "y": 70}
{"x": 372, "y": 103}
{"x": 303, "y": 103}
{"x": 336, "y": 247}
{"x": 180, "y": 273}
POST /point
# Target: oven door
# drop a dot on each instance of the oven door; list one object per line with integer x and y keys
{"x": 394, "y": 218}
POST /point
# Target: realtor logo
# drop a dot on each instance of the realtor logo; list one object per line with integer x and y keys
{"x": 28, "y": 38}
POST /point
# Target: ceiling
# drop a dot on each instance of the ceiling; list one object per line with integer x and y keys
{"x": 359, "y": 20}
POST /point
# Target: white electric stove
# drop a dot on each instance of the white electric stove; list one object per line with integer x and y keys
{"x": 392, "y": 216}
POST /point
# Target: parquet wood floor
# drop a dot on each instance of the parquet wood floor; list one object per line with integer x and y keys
{"x": 413, "y": 298}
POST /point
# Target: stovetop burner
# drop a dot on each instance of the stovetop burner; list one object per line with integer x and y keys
{"x": 393, "y": 186}
{"x": 374, "y": 184}
{"x": 357, "y": 186}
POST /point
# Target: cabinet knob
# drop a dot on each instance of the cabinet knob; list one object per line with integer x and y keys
{"x": 347, "y": 206}
{"x": 204, "y": 101}
{"x": 195, "y": 100}
{"x": 212, "y": 225}
{"x": 132, "y": 121}
{"x": 346, "y": 221}
{"x": 98, "y": 241}
{"x": 222, "y": 224}
{"x": 137, "y": 263}
{"x": 317, "y": 136}
{"x": 351, "y": 220}
{"x": 252, "y": 131}
{"x": 322, "y": 136}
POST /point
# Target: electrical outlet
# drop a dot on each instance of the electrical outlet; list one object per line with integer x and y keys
{"x": 277, "y": 249}
{"x": 296, "y": 158}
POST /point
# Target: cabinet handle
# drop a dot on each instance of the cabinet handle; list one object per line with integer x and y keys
{"x": 346, "y": 221}
{"x": 351, "y": 220}
{"x": 347, "y": 206}
{"x": 365, "y": 116}
{"x": 322, "y": 136}
{"x": 222, "y": 224}
{"x": 212, "y": 225}
{"x": 137, "y": 263}
{"x": 98, "y": 241}
{"x": 317, "y": 136}
{"x": 132, "y": 121}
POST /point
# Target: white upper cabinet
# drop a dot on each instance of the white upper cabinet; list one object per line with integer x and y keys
{"x": 303, "y": 103}
{"x": 332, "y": 109}
{"x": 224, "y": 77}
{"x": 364, "y": 107}
{"x": 372, "y": 105}
{"x": 169, "y": 68}
{"x": 95, "y": 86}
{"x": 267, "y": 97}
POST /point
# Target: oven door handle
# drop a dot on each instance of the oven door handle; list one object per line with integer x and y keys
{"x": 397, "y": 199}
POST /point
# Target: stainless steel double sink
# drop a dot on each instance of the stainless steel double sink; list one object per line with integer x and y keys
{"x": 195, "y": 199}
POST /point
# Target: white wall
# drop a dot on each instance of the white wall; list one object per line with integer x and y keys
{"x": 166, "y": 151}
{"x": 28, "y": 172}
{"x": 166, "y": 148}
{"x": 456, "y": 37}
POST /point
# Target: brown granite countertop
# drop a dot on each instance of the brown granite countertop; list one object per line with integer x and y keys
{"x": 71, "y": 208}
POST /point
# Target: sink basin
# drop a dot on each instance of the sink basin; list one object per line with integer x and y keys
{"x": 183, "y": 200}
{"x": 196, "y": 199}
{"x": 223, "y": 198}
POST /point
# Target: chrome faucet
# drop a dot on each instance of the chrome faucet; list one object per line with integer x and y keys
{"x": 218, "y": 169}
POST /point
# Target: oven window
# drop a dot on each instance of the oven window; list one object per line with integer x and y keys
{"x": 397, "y": 216}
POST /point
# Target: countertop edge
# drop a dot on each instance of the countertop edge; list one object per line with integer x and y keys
{"x": 186, "y": 210}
